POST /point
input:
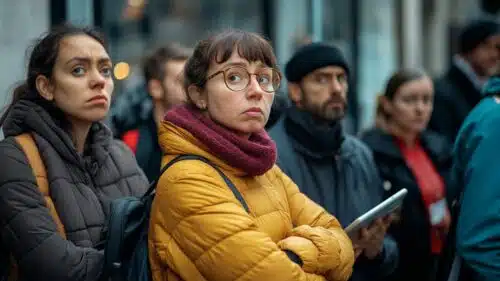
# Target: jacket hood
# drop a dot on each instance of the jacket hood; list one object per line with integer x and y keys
{"x": 28, "y": 116}
{"x": 175, "y": 141}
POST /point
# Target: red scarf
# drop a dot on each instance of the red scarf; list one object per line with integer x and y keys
{"x": 255, "y": 155}
{"x": 432, "y": 189}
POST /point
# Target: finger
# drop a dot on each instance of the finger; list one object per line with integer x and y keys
{"x": 377, "y": 223}
{"x": 358, "y": 252}
{"x": 365, "y": 234}
{"x": 377, "y": 226}
{"x": 388, "y": 219}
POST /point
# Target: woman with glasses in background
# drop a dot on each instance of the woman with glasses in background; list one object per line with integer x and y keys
{"x": 199, "y": 229}
{"x": 408, "y": 156}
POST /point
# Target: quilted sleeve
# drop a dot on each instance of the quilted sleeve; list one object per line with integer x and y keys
{"x": 28, "y": 231}
{"x": 196, "y": 216}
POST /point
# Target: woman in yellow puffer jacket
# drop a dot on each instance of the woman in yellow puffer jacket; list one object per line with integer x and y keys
{"x": 198, "y": 229}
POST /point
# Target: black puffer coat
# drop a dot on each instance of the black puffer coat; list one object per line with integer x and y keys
{"x": 81, "y": 188}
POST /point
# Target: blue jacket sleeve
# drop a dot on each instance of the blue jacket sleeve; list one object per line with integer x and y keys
{"x": 478, "y": 231}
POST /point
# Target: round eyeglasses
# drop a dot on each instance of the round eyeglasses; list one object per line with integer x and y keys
{"x": 237, "y": 78}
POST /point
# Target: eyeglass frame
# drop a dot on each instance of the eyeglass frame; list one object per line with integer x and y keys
{"x": 249, "y": 80}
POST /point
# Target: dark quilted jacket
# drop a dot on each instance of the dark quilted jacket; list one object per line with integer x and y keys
{"x": 80, "y": 186}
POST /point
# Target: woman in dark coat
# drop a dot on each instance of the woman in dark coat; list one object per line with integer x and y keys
{"x": 61, "y": 104}
{"x": 408, "y": 156}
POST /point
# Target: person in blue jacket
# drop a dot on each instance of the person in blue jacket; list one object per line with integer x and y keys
{"x": 475, "y": 170}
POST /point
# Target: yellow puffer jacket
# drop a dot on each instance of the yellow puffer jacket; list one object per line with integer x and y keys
{"x": 199, "y": 231}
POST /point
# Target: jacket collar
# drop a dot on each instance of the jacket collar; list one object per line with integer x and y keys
{"x": 492, "y": 87}
{"x": 383, "y": 143}
{"x": 309, "y": 137}
{"x": 466, "y": 69}
{"x": 28, "y": 116}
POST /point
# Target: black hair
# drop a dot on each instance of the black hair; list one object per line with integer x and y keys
{"x": 42, "y": 59}
{"x": 154, "y": 64}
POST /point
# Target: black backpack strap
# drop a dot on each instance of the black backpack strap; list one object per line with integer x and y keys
{"x": 231, "y": 186}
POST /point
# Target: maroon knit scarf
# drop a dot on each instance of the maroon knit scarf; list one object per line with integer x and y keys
{"x": 255, "y": 155}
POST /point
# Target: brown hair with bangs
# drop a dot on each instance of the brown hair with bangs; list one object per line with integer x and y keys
{"x": 220, "y": 47}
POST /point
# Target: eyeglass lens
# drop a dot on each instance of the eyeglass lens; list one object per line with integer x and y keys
{"x": 238, "y": 78}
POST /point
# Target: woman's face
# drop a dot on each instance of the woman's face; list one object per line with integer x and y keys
{"x": 81, "y": 84}
{"x": 411, "y": 106}
{"x": 245, "y": 111}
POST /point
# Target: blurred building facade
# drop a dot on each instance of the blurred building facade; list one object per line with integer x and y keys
{"x": 378, "y": 36}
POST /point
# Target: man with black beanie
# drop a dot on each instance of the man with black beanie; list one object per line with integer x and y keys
{"x": 460, "y": 89}
{"x": 331, "y": 167}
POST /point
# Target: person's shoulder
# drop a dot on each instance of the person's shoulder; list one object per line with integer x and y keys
{"x": 486, "y": 111}
{"x": 357, "y": 153}
{"x": 372, "y": 135}
{"x": 277, "y": 132}
{"x": 279, "y": 135}
{"x": 484, "y": 117}
{"x": 11, "y": 152}
{"x": 15, "y": 165}
{"x": 192, "y": 178}
{"x": 354, "y": 145}
{"x": 190, "y": 169}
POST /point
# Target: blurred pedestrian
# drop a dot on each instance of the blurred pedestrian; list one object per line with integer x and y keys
{"x": 163, "y": 72}
{"x": 409, "y": 156}
{"x": 459, "y": 90}
{"x": 477, "y": 174}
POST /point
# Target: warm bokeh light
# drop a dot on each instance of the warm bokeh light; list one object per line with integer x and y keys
{"x": 122, "y": 70}
{"x": 136, "y": 3}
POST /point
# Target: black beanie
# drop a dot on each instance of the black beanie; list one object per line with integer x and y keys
{"x": 475, "y": 33}
{"x": 311, "y": 57}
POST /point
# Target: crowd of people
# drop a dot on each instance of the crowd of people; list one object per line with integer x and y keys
{"x": 280, "y": 179}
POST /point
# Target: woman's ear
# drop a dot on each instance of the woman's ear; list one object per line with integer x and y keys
{"x": 44, "y": 87}
{"x": 196, "y": 95}
{"x": 155, "y": 90}
{"x": 386, "y": 105}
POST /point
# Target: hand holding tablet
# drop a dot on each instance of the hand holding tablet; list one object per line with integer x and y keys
{"x": 381, "y": 211}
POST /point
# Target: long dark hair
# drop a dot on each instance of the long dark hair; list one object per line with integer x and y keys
{"x": 41, "y": 62}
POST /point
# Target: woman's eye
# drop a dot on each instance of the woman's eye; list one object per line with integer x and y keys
{"x": 264, "y": 79}
{"x": 106, "y": 71}
{"x": 234, "y": 78}
{"x": 78, "y": 71}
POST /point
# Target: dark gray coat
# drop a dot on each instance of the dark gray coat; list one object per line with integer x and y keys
{"x": 81, "y": 187}
{"x": 346, "y": 185}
